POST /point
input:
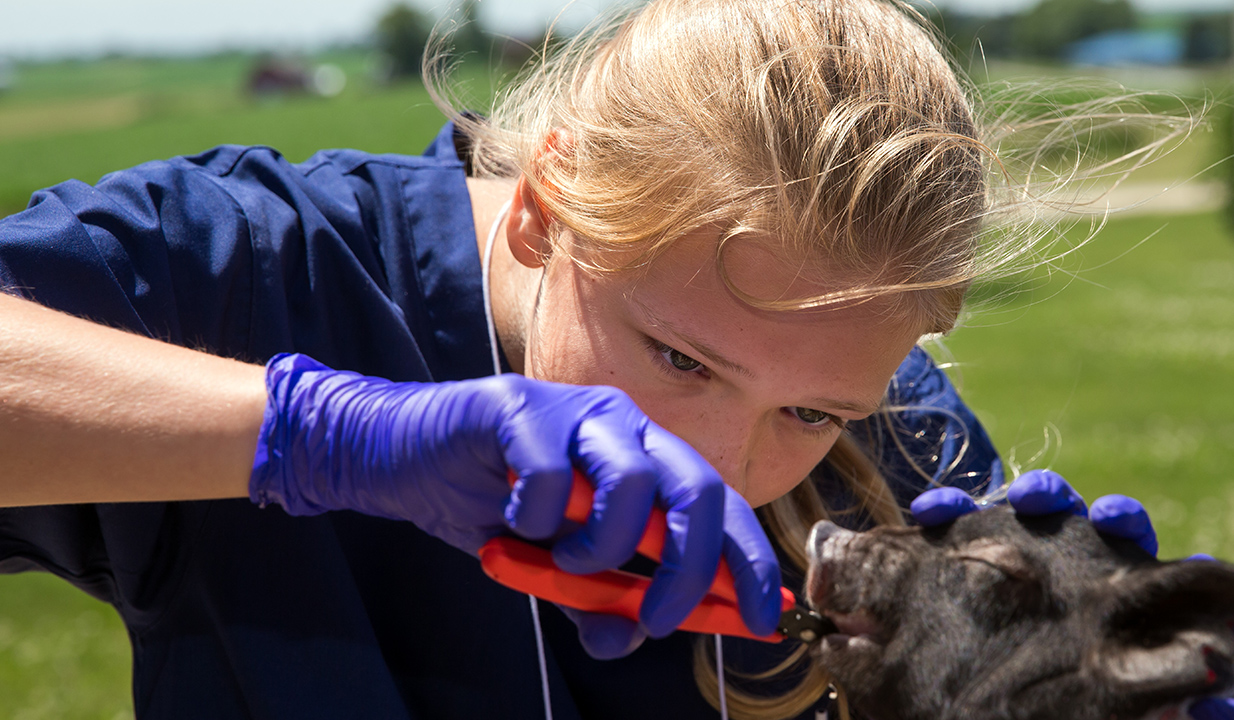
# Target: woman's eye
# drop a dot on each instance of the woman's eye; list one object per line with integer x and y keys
{"x": 810, "y": 416}
{"x": 679, "y": 360}
{"x": 672, "y": 362}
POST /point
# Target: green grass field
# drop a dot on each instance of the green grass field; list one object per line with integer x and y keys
{"x": 76, "y": 120}
{"x": 1119, "y": 374}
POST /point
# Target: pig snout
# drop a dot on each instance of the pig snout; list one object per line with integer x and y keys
{"x": 852, "y": 577}
{"x": 823, "y": 531}
{"x": 823, "y": 549}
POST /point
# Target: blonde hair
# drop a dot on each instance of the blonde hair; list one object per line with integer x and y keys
{"x": 833, "y": 129}
{"x": 833, "y": 132}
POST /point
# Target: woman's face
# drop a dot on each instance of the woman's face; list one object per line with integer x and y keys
{"x": 762, "y": 395}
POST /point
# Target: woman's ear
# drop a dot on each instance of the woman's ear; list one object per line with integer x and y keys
{"x": 527, "y": 227}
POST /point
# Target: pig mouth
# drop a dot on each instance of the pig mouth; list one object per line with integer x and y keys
{"x": 854, "y": 623}
{"x": 834, "y": 589}
{"x": 855, "y": 628}
{"x": 837, "y": 587}
{"x": 858, "y": 623}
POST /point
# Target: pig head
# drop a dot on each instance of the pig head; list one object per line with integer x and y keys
{"x": 1001, "y": 616}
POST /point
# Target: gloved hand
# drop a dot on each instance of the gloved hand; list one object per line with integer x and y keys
{"x": 1212, "y": 709}
{"x": 1041, "y": 492}
{"x": 437, "y": 454}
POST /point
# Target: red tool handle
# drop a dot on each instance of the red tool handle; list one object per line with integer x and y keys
{"x": 530, "y": 569}
{"x": 652, "y": 542}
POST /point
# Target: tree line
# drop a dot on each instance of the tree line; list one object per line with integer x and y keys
{"x": 1044, "y": 31}
{"x": 1047, "y": 30}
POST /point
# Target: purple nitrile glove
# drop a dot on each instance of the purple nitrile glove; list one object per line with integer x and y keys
{"x": 1041, "y": 492}
{"x": 606, "y": 637}
{"x": 437, "y": 454}
{"x": 1212, "y": 709}
{"x": 1124, "y": 517}
{"x": 939, "y": 506}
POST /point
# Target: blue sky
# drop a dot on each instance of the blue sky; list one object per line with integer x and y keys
{"x": 83, "y": 27}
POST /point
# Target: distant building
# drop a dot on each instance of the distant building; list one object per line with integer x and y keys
{"x": 1128, "y": 47}
{"x": 272, "y": 76}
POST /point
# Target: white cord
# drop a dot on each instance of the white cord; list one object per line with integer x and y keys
{"x": 485, "y": 285}
{"x": 535, "y": 619}
{"x": 720, "y": 676}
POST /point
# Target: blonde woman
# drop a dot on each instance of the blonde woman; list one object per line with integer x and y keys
{"x": 740, "y": 214}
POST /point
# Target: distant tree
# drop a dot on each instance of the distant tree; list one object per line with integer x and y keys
{"x": 8, "y": 76}
{"x": 402, "y": 34}
{"x": 972, "y": 37}
{"x": 1207, "y": 38}
{"x": 1046, "y": 30}
{"x": 1223, "y": 125}
{"x": 469, "y": 38}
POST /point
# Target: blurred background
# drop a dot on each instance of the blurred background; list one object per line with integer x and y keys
{"x": 1114, "y": 367}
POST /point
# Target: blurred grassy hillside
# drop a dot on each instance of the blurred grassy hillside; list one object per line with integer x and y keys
{"x": 1121, "y": 376}
{"x": 81, "y": 120}
{"x": 1127, "y": 365}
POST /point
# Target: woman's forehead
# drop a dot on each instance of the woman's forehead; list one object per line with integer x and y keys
{"x": 744, "y": 267}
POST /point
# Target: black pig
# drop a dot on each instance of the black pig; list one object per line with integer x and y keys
{"x": 1004, "y": 616}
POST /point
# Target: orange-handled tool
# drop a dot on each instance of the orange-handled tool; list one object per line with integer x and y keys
{"x": 530, "y": 569}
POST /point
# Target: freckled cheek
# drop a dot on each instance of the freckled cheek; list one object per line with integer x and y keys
{"x": 568, "y": 353}
{"x": 574, "y": 364}
{"x": 667, "y": 411}
{"x": 775, "y": 471}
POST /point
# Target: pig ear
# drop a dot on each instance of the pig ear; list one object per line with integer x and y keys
{"x": 1168, "y": 631}
{"x": 1174, "y": 589}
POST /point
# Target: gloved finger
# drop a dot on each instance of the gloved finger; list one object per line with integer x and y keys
{"x": 1200, "y": 556}
{"x": 1124, "y": 517}
{"x": 693, "y": 495}
{"x": 1042, "y": 492}
{"x": 544, "y": 477}
{"x": 605, "y": 637}
{"x": 1212, "y": 709}
{"x": 610, "y": 450}
{"x": 756, "y": 571}
{"x": 939, "y": 506}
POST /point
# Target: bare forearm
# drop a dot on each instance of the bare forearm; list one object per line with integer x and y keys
{"x": 93, "y": 414}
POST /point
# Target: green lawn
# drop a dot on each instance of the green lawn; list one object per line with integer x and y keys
{"x": 63, "y": 654}
{"x": 1128, "y": 367}
{"x": 1121, "y": 376}
{"x": 74, "y": 120}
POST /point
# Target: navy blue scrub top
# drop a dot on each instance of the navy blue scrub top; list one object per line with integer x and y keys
{"x": 366, "y": 263}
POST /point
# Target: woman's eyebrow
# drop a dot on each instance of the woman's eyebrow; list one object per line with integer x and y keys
{"x": 833, "y": 404}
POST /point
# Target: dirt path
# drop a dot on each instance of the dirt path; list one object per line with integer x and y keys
{"x": 1142, "y": 198}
